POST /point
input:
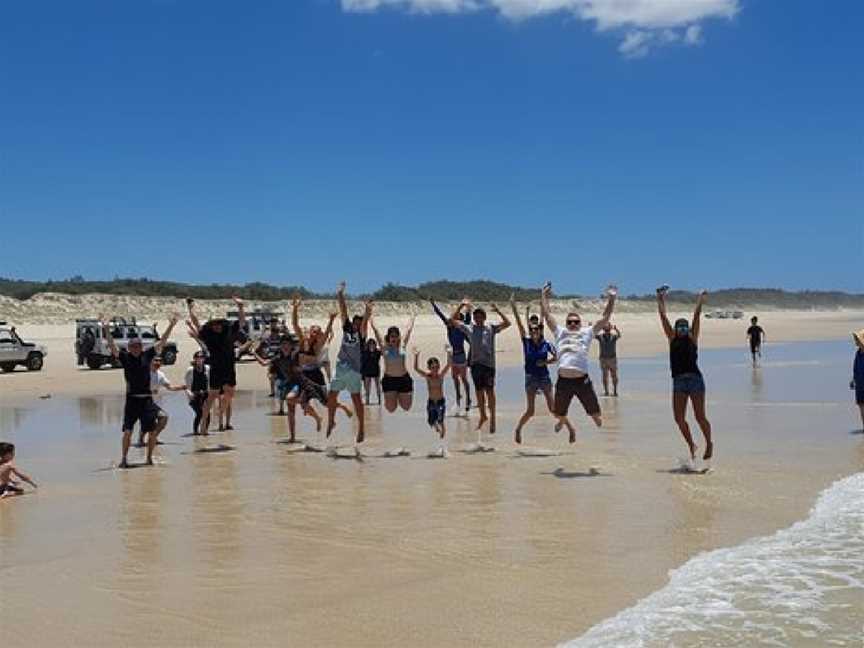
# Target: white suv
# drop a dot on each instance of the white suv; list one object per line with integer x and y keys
{"x": 14, "y": 351}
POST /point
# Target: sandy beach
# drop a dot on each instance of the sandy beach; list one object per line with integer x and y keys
{"x": 235, "y": 540}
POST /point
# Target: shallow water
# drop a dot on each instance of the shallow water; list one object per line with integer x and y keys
{"x": 256, "y": 544}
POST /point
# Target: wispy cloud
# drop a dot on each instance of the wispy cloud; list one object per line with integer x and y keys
{"x": 644, "y": 23}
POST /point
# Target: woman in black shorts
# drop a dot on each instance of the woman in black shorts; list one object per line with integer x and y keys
{"x": 687, "y": 381}
{"x": 397, "y": 384}
{"x": 372, "y": 369}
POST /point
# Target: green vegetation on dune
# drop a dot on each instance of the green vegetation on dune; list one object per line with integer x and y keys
{"x": 442, "y": 290}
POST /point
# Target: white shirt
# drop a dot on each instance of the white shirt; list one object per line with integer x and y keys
{"x": 572, "y": 349}
{"x": 157, "y": 382}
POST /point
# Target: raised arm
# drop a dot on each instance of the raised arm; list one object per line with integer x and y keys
{"x": 697, "y": 315}
{"x": 617, "y": 330}
{"x": 456, "y": 315}
{"x": 367, "y": 317}
{"x": 376, "y": 333}
{"x": 545, "y": 311}
{"x": 519, "y": 324}
{"x": 190, "y": 304}
{"x": 417, "y": 364}
{"x": 295, "y": 317}
{"x": 408, "y": 332}
{"x": 106, "y": 333}
{"x": 340, "y": 297}
{"x": 661, "y": 310}
{"x": 439, "y": 312}
{"x": 328, "y": 332}
{"x": 505, "y": 323}
{"x": 611, "y": 296}
{"x": 241, "y": 312}
{"x": 164, "y": 339}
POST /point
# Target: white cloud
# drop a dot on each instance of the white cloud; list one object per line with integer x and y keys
{"x": 645, "y": 23}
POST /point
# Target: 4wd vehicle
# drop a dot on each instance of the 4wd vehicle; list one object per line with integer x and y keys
{"x": 14, "y": 351}
{"x": 258, "y": 324}
{"x": 91, "y": 348}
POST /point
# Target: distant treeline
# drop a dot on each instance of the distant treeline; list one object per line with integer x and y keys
{"x": 445, "y": 291}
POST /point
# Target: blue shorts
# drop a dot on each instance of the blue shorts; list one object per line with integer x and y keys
{"x": 435, "y": 411}
{"x": 859, "y": 395}
{"x": 285, "y": 388}
{"x": 535, "y": 384}
{"x": 346, "y": 379}
{"x": 689, "y": 383}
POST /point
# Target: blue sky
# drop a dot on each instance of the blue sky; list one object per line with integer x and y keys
{"x": 693, "y": 142}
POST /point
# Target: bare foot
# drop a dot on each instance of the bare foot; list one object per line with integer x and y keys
{"x": 572, "y": 435}
{"x": 229, "y": 426}
{"x": 123, "y": 464}
{"x": 709, "y": 451}
{"x": 361, "y": 436}
{"x": 481, "y": 422}
{"x": 693, "y": 448}
{"x": 149, "y": 461}
{"x": 598, "y": 420}
{"x": 492, "y": 426}
{"x": 559, "y": 426}
{"x": 330, "y": 427}
{"x": 517, "y": 436}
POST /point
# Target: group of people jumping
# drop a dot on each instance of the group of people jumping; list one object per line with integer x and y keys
{"x": 297, "y": 368}
{"x": 300, "y": 374}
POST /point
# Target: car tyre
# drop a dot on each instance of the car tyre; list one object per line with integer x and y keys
{"x": 34, "y": 362}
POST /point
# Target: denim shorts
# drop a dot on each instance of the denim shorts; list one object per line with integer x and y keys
{"x": 689, "y": 383}
{"x": 537, "y": 383}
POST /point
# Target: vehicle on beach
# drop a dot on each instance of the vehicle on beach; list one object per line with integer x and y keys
{"x": 719, "y": 314}
{"x": 15, "y": 351}
{"x": 258, "y": 324}
{"x": 91, "y": 347}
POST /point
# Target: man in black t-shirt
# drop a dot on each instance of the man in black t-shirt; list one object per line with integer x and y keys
{"x": 139, "y": 404}
{"x": 756, "y": 335}
{"x": 219, "y": 337}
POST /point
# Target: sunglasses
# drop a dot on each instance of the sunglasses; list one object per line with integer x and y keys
{"x": 536, "y": 329}
{"x": 574, "y": 322}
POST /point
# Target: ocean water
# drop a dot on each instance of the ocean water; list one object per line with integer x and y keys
{"x": 802, "y": 586}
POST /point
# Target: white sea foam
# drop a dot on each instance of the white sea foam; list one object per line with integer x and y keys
{"x": 801, "y": 586}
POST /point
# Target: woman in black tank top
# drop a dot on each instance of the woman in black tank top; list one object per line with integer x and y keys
{"x": 687, "y": 381}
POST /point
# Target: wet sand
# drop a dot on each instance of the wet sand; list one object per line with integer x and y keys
{"x": 256, "y": 545}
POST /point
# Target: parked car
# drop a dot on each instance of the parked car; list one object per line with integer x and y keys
{"x": 15, "y": 351}
{"x": 91, "y": 347}
{"x": 258, "y": 325}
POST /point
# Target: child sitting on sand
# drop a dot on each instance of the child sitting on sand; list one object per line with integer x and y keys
{"x": 436, "y": 406}
{"x": 8, "y": 471}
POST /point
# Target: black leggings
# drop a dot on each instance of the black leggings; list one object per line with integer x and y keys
{"x": 197, "y": 405}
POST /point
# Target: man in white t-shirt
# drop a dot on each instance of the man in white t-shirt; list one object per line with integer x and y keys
{"x": 158, "y": 382}
{"x": 572, "y": 342}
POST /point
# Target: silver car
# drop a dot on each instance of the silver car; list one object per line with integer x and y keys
{"x": 15, "y": 351}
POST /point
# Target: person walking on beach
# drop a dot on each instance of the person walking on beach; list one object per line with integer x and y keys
{"x": 858, "y": 373}
{"x": 538, "y": 354}
{"x": 139, "y": 405}
{"x": 436, "y": 405}
{"x": 8, "y": 471}
{"x": 756, "y": 336}
{"x": 481, "y": 359}
{"x": 397, "y": 385}
{"x": 372, "y": 369}
{"x": 608, "y": 341}
{"x": 349, "y": 364}
{"x": 219, "y": 337}
{"x": 197, "y": 381}
{"x": 573, "y": 342}
{"x": 687, "y": 381}
{"x": 456, "y": 339}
